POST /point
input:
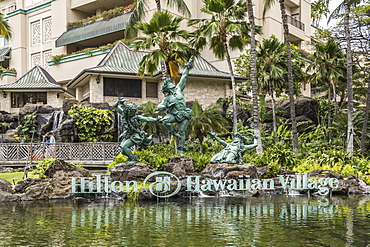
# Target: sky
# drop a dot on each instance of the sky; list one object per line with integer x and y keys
{"x": 332, "y": 5}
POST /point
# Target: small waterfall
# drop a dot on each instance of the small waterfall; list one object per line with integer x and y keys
{"x": 58, "y": 119}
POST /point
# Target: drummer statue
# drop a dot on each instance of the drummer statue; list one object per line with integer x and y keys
{"x": 175, "y": 104}
{"x": 133, "y": 133}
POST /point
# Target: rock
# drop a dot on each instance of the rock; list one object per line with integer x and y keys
{"x": 351, "y": 185}
{"x": 61, "y": 165}
{"x": 6, "y": 186}
{"x": 31, "y": 108}
{"x": 304, "y": 106}
{"x": 62, "y": 183}
{"x": 67, "y": 131}
{"x": 9, "y": 136}
{"x": 68, "y": 103}
{"x": 230, "y": 171}
{"x": 38, "y": 192}
{"x": 8, "y": 197}
{"x": 6, "y": 169}
{"x": 22, "y": 185}
{"x": 180, "y": 166}
{"x": 130, "y": 172}
{"x": 325, "y": 174}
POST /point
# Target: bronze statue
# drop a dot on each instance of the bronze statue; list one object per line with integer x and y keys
{"x": 133, "y": 133}
{"x": 175, "y": 105}
{"x": 233, "y": 151}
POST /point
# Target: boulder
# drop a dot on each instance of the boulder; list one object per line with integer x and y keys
{"x": 351, "y": 185}
{"x": 130, "y": 172}
{"x": 62, "y": 183}
{"x": 180, "y": 166}
{"x": 68, "y": 103}
{"x": 5, "y": 186}
{"x": 61, "y": 165}
{"x": 40, "y": 191}
{"x": 22, "y": 185}
{"x": 9, "y": 136}
{"x": 8, "y": 197}
{"x": 230, "y": 171}
{"x": 304, "y": 106}
{"x": 6, "y": 169}
{"x": 325, "y": 174}
{"x": 67, "y": 131}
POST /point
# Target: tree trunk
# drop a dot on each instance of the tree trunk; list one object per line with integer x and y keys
{"x": 329, "y": 113}
{"x": 158, "y": 3}
{"x": 366, "y": 118}
{"x": 274, "y": 122}
{"x": 290, "y": 77}
{"x": 350, "y": 131}
{"x": 256, "y": 121}
{"x": 235, "y": 115}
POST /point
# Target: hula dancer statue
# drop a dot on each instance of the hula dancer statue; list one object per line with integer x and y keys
{"x": 233, "y": 151}
{"x": 133, "y": 133}
{"x": 175, "y": 104}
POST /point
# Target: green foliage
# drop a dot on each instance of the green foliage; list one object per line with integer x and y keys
{"x": 92, "y": 123}
{"x": 28, "y": 126}
{"x": 156, "y": 159}
{"x": 106, "y": 15}
{"x": 117, "y": 160}
{"x": 41, "y": 167}
{"x": 3, "y": 127}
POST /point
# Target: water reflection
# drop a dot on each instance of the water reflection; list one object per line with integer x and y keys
{"x": 263, "y": 221}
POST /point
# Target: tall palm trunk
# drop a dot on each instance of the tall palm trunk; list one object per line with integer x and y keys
{"x": 350, "y": 131}
{"x": 366, "y": 118}
{"x": 158, "y": 3}
{"x": 290, "y": 76}
{"x": 235, "y": 115}
{"x": 329, "y": 113}
{"x": 256, "y": 121}
{"x": 274, "y": 122}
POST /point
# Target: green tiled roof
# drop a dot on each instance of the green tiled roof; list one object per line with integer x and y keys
{"x": 122, "y": 60}
{"x": 4, "y": 53}
{"x": 93, "y": 30}
{"x": 36, "y": 78}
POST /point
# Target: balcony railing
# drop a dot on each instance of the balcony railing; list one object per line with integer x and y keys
{"x": 28, "y": 152}
{"x": 8, "y": 8}
{"x": 295, "y": 22}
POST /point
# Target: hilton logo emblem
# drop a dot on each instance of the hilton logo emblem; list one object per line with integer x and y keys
{"x": 162, "y": 185}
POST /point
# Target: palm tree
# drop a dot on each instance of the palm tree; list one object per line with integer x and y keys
{"x": 163, "y": 33}
{"x": 203, "y": 121}
{"x": 271, "y": 60}
{"x": 5, "y": 29}
{"x": 256, "y": 121}
{"x": 267, "y": 6}
{"x": 328, "y": 67}
{"x": 345, "y": 5}
{"x": 138, "y": 13}
{"x": 224, "y": 30}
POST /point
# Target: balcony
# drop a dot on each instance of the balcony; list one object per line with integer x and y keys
{"x": 295, "y": 22}
{"x": 8, "y": 8}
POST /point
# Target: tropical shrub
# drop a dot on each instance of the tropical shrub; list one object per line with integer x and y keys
{"x": 92, "y": 124}
{"x": 28, "y": 127}
{"x": 41, "y": 167}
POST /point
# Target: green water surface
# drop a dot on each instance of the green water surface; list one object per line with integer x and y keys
{"x": 223, "y": 221}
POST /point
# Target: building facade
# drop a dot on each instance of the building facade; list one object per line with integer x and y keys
{"x": 46, "y": 33}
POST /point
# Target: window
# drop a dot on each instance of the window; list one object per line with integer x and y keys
{"x": 47, "y": 29}
{"x": 36, "y": 32}
{"x": 122, "y": 87}
{"x": 35, "y": 60}
{"x": 20, "y": 99}
{"x": 47, "y": 57}
{"x": 151, "y": 89}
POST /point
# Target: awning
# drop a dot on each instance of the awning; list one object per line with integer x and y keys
{"x": 93, "y": 30}
{"x": 5, "y": 53}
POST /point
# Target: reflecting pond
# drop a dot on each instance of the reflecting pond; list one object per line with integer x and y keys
{"x": 223, "y": 221}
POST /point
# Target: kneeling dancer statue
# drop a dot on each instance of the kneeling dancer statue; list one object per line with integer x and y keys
{"x": 175, "y": 104}
{"x": 233, "y": 151}
{"x": 133, "y": 133}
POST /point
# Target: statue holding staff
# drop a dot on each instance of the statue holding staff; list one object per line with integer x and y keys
{"x": 175, "y": 104}
{"x": 133, "y": 133}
